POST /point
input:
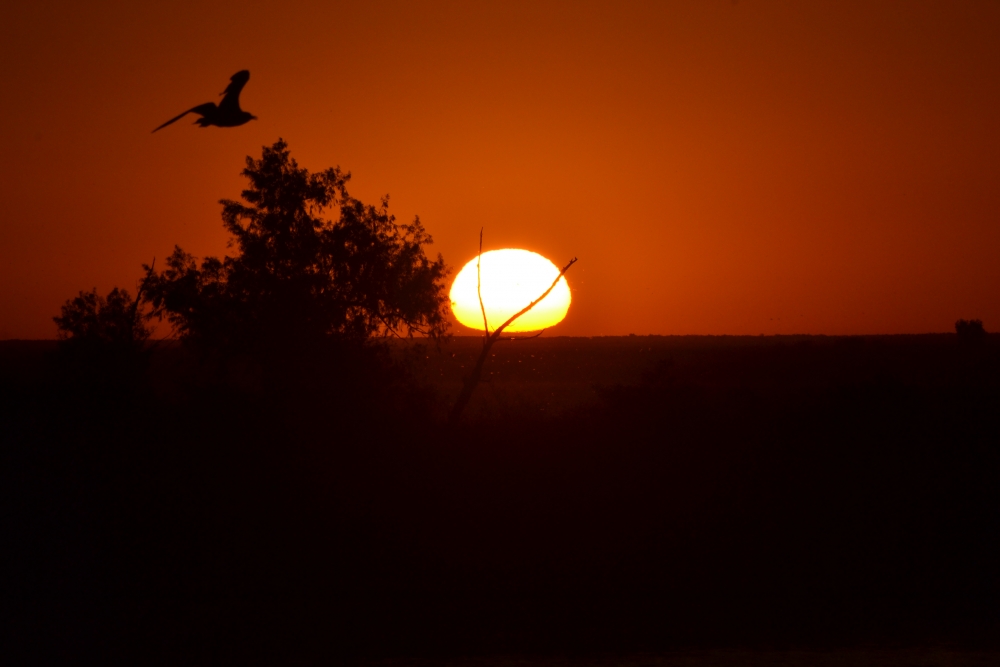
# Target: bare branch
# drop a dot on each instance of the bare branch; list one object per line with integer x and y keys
{"x": 479, "y": 288}
{"x": 475, "y": 376}
{"x": 534, "y": 303}
{"x": 389, "y": 327}
{"x": 139, "y": 289}
{"x": 142, "y": 283}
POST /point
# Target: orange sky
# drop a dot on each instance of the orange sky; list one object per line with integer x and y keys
{"x": 718, "y": 167}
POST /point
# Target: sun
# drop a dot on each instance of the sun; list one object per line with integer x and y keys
{"x": 511, "y": 279}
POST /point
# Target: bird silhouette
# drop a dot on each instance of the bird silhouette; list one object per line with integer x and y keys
{"x": 228, "y": 113}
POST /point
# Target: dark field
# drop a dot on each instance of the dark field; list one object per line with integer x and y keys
{"x": 639, "y": 500}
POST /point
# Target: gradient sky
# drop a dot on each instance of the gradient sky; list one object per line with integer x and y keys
{"x": 718, "y": 167}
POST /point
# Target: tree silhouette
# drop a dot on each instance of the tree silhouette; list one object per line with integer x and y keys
{"x": 970, "y": 330}
{"x": 299, "y": 277}
{"x": 92, "y": 320}
{"x": 103, "y": 339}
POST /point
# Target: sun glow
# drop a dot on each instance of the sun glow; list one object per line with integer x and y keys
{"x": 511, "y": 279}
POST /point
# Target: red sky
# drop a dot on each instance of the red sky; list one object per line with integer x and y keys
{"x": 718, "y": 167}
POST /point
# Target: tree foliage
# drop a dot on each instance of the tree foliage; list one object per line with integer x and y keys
{"x": 970, "y": 330}
{"x": 103, "y": 340}
{"x": 311, "y": 263}
{"x": 114, "y": 321}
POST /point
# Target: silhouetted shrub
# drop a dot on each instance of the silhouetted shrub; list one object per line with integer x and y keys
{"x": 970, "y": 330}
{"x": 103, "y": 338}
{"x": 90, "y": 319}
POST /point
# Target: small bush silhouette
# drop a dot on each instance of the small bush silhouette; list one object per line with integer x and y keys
{"x": 970, "y": 330}
{"x": 90, "y": 320}
{"x": 103, "y": 339}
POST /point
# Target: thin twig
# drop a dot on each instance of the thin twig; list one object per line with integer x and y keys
{"x": 479, "y": 288}
{"x": 388, "y": 327}
{"x": 535, "y": 302}
{"x": 142, "y": 283}
{"x": 138, "y": 295}
{"x": 139, "y": 289}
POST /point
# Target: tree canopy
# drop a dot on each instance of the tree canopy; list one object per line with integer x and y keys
{"x": 311, "y": 263}
{"x": 103, "y": 340}
{"x": 90, "y": 319}
{"x": 970, "y": 330}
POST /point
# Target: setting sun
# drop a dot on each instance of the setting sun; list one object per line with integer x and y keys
{"x": 511, "y": 279}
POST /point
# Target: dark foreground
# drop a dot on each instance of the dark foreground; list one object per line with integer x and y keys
{"x": 674, "y": 500}
{"x": 852, "y": 657}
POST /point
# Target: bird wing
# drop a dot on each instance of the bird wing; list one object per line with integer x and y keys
{"x": 201, "y": 110}
{"x": 232, "y": 91}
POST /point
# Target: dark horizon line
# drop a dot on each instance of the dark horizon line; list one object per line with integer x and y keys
{"x": 629, "y": 335}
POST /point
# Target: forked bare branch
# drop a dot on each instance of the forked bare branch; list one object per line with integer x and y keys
{"x": 490, "y": 338}
{"x": 534, "y": 303}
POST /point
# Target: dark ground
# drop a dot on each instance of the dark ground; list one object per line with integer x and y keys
{"x": 639, "y": 496}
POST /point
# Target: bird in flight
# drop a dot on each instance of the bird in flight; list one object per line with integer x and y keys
{"x": 228, "y": 113}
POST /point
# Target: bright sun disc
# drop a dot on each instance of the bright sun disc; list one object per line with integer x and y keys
{"x": 511, "y": 279}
